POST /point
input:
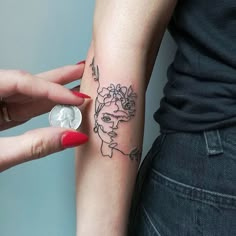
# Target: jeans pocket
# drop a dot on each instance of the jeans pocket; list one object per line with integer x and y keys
{"x": 181, "y": 210}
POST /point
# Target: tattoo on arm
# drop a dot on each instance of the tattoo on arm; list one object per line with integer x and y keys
{"x": 114, "y": 105}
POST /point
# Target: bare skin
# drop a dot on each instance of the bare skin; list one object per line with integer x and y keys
{"x": 126, "y": 39}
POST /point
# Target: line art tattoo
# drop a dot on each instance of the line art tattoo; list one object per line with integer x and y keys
{"x": 114, "y": 105}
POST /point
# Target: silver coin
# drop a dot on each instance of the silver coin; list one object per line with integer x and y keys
{"x": 65, "y": 116}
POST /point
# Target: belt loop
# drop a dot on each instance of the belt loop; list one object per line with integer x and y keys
{"x": 213, "y": 142}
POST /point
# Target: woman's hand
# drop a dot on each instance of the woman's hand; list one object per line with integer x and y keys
{"x": 24, "y": 96}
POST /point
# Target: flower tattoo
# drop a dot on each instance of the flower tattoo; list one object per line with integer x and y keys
{"x": 114, "y": 105}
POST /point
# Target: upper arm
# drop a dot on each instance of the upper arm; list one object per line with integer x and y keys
{"x": 128, "y": 24}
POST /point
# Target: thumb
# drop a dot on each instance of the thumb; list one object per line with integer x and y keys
{"x": 36, "y": 144}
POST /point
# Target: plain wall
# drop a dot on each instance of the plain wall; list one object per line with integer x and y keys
{"x": 38, "y": 198}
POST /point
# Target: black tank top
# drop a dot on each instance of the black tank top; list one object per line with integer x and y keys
{"x": 201, "y": 90}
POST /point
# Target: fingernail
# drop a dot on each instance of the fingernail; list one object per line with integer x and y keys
{"x": 81, "y": 95}
{"x": 80, "y": 62}
{"x": 72, "y": 139}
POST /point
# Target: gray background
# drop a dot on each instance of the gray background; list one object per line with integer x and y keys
{"x": 38, "y": 198}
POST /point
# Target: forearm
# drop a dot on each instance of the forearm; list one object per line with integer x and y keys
{"x": 116, "y": 74}
{"x": 107, "y": 165}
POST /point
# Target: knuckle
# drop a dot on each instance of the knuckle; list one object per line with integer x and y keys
{"x": 38, "y": 148}
{"x": 22, "y": 79}
{"x": 19, "y": 73}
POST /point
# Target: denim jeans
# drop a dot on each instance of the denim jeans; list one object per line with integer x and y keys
{"x": 186, "y": 186}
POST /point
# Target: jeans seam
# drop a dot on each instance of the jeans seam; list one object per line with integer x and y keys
{"x": 150, "y": 221}
{"x": 231, "y": 199}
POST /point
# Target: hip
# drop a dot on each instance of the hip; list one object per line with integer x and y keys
{"x": 187, "y": 185}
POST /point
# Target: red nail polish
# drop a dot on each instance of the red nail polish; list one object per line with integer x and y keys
{"x": 72, "y": 139}
{"x": 80, "y": 62}
{"x": 81, "y": 95}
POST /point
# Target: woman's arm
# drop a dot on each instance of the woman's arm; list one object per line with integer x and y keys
{"x": 126, "y": 38}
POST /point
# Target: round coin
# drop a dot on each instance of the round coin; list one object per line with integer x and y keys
{"x": 65, "y": 116}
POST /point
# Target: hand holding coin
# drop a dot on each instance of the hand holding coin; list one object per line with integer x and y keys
{"x": 24, "y": 96}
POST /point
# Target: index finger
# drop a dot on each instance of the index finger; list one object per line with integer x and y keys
{"x": 24, "y": 83}
{"x": 63, "y": 75}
